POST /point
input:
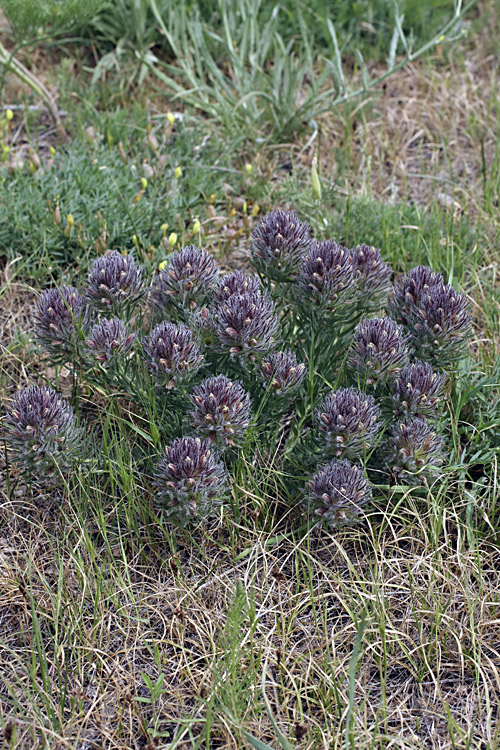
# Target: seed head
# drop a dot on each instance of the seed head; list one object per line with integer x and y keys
{"x": 113, "y": 281}
{"x": 185, "y": 281}
{"x": 171, "y": 354}
{"x": 338, "y": 491}
{"x": 245, "y": 324}
{"x": 379, "y": 350}
{"x": 41, "y": 430}
{"x": 109, "y": 339}
{"x": 279, "y": 244}
{"x": 349, "y": 420}
{"x": 58, "y": 316}
{"x": 415, "y": 450}
{"x": 416, "y": 391}
{"x": 372, "y": 277}
{"x": 190, "y": 480}
{"x": 326, "y": 276}
{"x": 283, "y": 372}
{"x": 221, "y": 409}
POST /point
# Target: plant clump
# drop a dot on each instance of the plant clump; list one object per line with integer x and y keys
{"x": 114, "y": 279}
{"x": 185, "y": 281}
{"x": 338, "y": 491}
{"x": 349, "y": 420}
{"x": 171, "y": 354}
{"x": 59, "y": 316}
{"x": 279, "y": 245}
{"x": 379, "y": 350}
{"x": 221, "y": 409}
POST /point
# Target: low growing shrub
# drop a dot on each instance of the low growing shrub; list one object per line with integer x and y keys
{"x": 298, "y": 362}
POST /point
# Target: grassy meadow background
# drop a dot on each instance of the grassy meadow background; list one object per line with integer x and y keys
{"x": 120, "y": 631}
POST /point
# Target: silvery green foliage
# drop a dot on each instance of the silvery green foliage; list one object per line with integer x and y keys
{"x": 221, "y": 410}
{"x": 108, "y": 340}
{"x": 349, "y": 421}
{"x": 245, "y": 324}
{"x": 379, "y": 350}
{"x": 42, "y": 432}
{"x": 171, "y": 354}
{"x": 279, "y": 244}
{"x": 326, "y": 279}
{"x": 417, "y": 391}
{"x": 415, "y": 451}
{"x": 283, "y": 373}
{"x": 435, "y": 315}
{"x": 113, "y": 281}
{"x": 371, "y": 276}
{"x": 59, "y": 316}
{"x": 190, "y": 481}
{"x": 185, "y": 282}
{"x": 337, "y": 492}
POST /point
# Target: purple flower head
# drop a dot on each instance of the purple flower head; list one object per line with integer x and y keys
{"x": 372, "y": 277}
{"x": 349, "y": 420}
{"x": 415, "y": 450}
{"x": 326, "y": 276}
{"x": 236, "y": 283}
{"x": 409, "y": 291}
{"x": 41, "y": 429}
{"x": 190, "y": 480}
{"x": 109, "y": 339}
{"x": 338, "y": 491}
{"x": 417, "y": 390}
{"x": 186, "y": 280}
{"x": 436, "y": 316}
{"x": 221, "y": 409}
{"x": 283, "y": 372}
{"x": 171, "y": 354}
{"x": 114, "y": 280}
{"x": 379, "y": 350}
{"x": 245, "y": 324}
{"x": 58, "y": 316}
{"x": 279, "y": 244}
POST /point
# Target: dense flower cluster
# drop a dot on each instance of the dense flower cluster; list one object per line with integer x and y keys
{"x": 59, "y": 316}
{"x": 171, "y": 354}
{"x": 245, "y": 324}
{"x": 190, "y": 480}
{"x": 113, "y": 280}
{"x": 109, "y": 340}
{"x": 417, "y": 390}
{"x": 282, "y": 371}
{"x": 326, "y": 276}
{"x": 379, "y": 350}
{"x": 281, "y": 338}
{"x": 41, "y": 429}
{"x": 349, "y": 420}
{"x": 279, "y": 244}
{"x": 221, "y": 409}
{"x": 185, "y": 281}
{"x": 338, "y": 491}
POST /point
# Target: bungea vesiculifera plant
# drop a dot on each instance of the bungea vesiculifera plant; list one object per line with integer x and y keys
{"x": 317, "y": 358}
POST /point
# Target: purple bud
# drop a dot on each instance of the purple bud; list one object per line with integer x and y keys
{"x": 379, "y": 350}
{"x": 338, "y": 491}
{"x": 326, "y": 276}
{"x": 282, "y": 371}
{"x": 372, "y": 277}
{"x": 113, "y": 280}
{"x": 41, "y": 429}
{"x": 279, "y": 244}
{"x": 58, "y": 316}
{"x": 186, "y": 281}
{"x": 417, "y": 390}
{"x": 109, "y": 339}
{"x": 349, "y": 420}
{"x": 236, "y": 283}
{"x": 190, "y": 480}
{"x": 245, "y": 324}
{"x": 171, "y": 354}
{"x": 221, "y": 409}
{"x": 414, "y": 450}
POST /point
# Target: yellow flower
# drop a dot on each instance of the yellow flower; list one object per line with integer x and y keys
{"x": 9, "y": 115}
{"x": 248, "y": 169}
{"x": 196, "y": 226}
{"x": 164, "y": 228}
{"x": 144, "y": 183}
{"x": 163, "y": 265}
{"x": 52, "y": 150}
{"x": 170, "y": 118}
{"x": 70, "y": 220}
{"x": 255, "y": 209}
{"x": 178, "y": 172}
{"x": 172, "y": 239}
